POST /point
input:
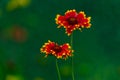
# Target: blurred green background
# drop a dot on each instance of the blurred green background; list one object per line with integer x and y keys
{"x": 26, "y": 24}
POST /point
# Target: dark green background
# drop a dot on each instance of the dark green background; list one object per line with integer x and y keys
{"x": 97, "y": 50}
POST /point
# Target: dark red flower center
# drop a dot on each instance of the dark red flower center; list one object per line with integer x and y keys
{"x": 72, "y": 21}
{"x": 57, "y": 49}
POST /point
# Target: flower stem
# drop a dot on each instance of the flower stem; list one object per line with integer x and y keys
{"x": 58, "y": 71}
{"x": 71, "y": 42}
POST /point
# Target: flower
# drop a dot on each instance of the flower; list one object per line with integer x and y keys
{"x": 59, "y": 51}
{"x": 73, "y": 20}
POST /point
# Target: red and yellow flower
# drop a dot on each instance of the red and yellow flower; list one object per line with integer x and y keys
{"x": 73, "y": 20}
{"x": 59, "y": 51}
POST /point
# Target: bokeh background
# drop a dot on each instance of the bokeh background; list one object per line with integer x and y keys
{"x": 25, "y": 25}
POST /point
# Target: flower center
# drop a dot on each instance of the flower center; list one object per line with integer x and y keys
{"x": 72, "y": 21}
{"x": 57, "y": 49}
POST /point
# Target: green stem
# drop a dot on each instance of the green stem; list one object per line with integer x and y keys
{"x": 71, "y": 42}
{"x": 58, "y": 71}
